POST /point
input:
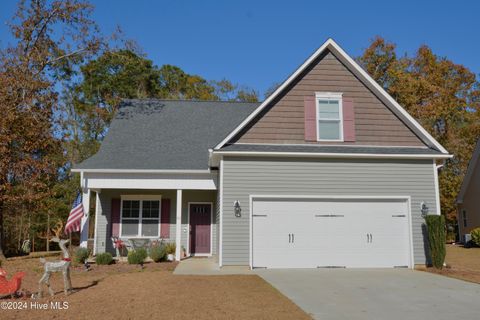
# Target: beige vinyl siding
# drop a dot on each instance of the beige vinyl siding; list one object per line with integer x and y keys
{"x": 283, "y": 122}
{"x": 104, "y": 243}
{"x": 321, "y": 177}
{"x": 471, "y": 204}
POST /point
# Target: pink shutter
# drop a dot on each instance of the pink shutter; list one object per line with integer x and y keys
{"x": 115, "y": 217}
{"x": 348, "y": 120}
{"x": 310, "y": 118}
{"x": 165, "y": 219}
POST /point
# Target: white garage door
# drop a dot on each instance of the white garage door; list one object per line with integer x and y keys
{"x": 330, "y": 233}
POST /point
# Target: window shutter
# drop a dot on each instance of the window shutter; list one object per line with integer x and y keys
{"x": 165, "y": 219}
{"x": 115, "y": 217}
{"x": 310, "y": 118}
{"x": 348, "y": 120}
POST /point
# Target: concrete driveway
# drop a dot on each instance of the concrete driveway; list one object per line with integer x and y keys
{"x": 376, "y": 294}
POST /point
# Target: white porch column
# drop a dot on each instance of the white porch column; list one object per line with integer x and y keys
{"x": 97, "y": 212}
{"x": 84, "y": 222}
{"x": 178, "y": 226}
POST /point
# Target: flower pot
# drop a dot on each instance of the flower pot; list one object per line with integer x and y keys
{"x": 170, "y": 257}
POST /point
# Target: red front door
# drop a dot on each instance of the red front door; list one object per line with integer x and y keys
{"x": 200, "y": 228}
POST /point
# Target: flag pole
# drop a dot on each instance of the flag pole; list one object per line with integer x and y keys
{"x": 70, "y": 243}
{"x": 48, "y": 231}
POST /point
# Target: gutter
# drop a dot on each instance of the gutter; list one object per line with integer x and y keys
{"x": 207, "y": 171}
{"x": 334, "y": 155}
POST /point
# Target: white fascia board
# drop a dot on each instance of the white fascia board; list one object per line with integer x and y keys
{"x": 152, "y": 184}
{"x": 334, "y": 155}
{"x": 142, "y": 171}
{"x": 333, "y": 46}
{"x": 142, "y": 180}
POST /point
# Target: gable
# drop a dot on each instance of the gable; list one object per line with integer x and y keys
{"x": 283, "y": 120}
{"x": 473, "y": 187}
{"x": 472, "y": 174}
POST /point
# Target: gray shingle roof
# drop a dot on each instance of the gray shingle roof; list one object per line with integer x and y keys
{"x": 166, "y": 134}
{"x": 329, "y": 149}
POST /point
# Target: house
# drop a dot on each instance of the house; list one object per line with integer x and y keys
{"x": 468, "y": 200}
{"x": 328, "y": 171}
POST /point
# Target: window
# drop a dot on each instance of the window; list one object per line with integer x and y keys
{"x": 464, "y": 216}
{"x": 329, "y": 116}
{"x": 140, "y": 217}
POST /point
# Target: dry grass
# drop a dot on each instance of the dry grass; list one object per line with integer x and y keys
{"x": 462, "y": 264}
{"x": 126, "y": 292}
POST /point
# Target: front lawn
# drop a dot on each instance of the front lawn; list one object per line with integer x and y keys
{"x": 125, "y": 291}
{"x": 462, "y": 264}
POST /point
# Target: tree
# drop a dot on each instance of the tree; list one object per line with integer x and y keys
{"x": 89, "y": 105}
{"x": 443, "y": 96}
{"x": 272, "y": 89}
{"x": 177, "y": 84}
{"x": 225, "y": 90}
{"x": 29, "y": 71}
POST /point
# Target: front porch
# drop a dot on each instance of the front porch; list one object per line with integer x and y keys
{"x": 152, "y": 205}
{"x": 185, "y": 217}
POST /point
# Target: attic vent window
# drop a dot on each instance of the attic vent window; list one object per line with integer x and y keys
{"x": 329, "y": 116}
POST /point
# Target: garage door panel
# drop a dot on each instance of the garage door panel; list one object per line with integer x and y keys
{"x": 340, "y": 233}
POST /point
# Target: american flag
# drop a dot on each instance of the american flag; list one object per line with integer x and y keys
{"x": 75, "y": 216}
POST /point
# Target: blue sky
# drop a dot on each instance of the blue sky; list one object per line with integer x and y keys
{"x": 258, "y": 43}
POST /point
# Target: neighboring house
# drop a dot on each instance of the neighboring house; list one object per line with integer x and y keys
{"x": 329, "y": 171}
{"x": 468, "y": 200}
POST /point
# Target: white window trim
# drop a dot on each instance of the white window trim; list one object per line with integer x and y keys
{"x": 329, "y": 96}
{"x": 141, "y": 198}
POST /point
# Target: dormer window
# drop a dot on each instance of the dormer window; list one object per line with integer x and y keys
{"x": 329, "y": 116}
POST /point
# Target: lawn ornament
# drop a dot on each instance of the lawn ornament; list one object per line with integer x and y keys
{"x": 10, "y": 287}
{"x": 26, "y": 246}
{"x": 119, "y": 246}
{"x": 62, "y": 266}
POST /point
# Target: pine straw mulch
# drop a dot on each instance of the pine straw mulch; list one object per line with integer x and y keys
{"x": 462, "y": 263}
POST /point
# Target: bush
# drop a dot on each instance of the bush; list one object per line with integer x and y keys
{"x": 81, "y": 254}
{"x": 436, "y": 239}
{"x": 158, "y": 252}
{"x": 104, "y": 258}
{"x": 475, "y": 234}
{"x": 137, "y": 256}
{"x": 170, "y": 248}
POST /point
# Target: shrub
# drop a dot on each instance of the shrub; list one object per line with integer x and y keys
{"x": 436, "y": 239}
{"x": 137, "y": 256}
{"x": 104, "y": 258}
{"x": 81, "y": 254}
{"x": 143, "y": 253}
{"x": 157, "y": 253}
{"x": 170, "y": 248}
{"x": 475, "y": 234}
